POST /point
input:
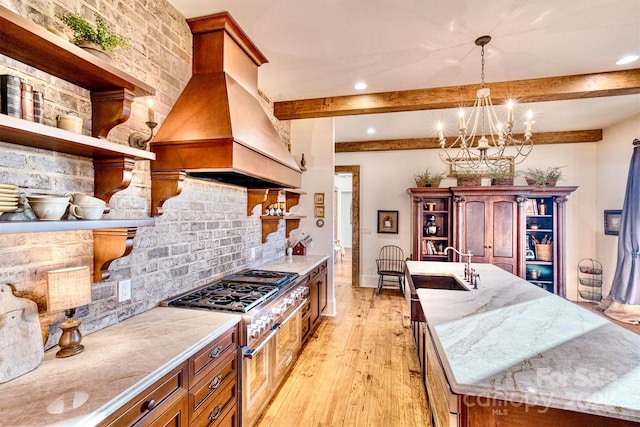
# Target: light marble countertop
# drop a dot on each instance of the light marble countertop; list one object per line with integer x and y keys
{"x": 117, "y": 363}
{"x": 511, "y": 340}
{"x": 301, "y": 264}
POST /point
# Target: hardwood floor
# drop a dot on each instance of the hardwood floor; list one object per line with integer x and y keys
{"x": 359, "y": 368}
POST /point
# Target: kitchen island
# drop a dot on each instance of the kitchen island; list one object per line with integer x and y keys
{"x": 510, "y": 353}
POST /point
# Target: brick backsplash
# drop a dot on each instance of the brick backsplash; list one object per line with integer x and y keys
{"x": 204, "y": 233}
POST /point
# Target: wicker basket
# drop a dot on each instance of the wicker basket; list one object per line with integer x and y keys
{"x": 544, "y": 252}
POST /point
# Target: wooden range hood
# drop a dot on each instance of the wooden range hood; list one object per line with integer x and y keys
{"x": 217, "y": 128}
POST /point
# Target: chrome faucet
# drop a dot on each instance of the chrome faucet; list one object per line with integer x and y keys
{"x": 468, "y": 271}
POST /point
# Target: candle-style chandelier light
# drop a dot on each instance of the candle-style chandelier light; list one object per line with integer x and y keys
{"x": 484, "y": 142}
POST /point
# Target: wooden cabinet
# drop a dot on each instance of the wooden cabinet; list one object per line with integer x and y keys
{"x": 431, "y": 223}
{"x": 318, "y": 289}
{"x": 112, "y": 93}
{"x": 488, "y": 226}
{"x": 497, "y": 224}
{"x": 168, "y": 394}
{"x": 201, "y": 391}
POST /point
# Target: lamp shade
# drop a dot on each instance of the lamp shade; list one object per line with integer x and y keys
{"x": 68, "y": 288}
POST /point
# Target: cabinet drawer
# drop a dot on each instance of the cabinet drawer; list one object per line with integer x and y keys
{"x": 313, "y": 274}
{"x": 305, "y": 308}
{"x": 215, "y": 410}
{"x": 208, "y": 359}
{"x": 154, "y": 400}
{"x": 207, "y": 387}
{"x": 176, "y": 416}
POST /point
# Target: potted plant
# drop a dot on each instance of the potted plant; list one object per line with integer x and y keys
{"x": 543, "y": 177}
{"x": 428, "y": 179}
{"x": 98, "y": 39}
{"x": 468, "y": 178}
{"x": 502, "y": 176}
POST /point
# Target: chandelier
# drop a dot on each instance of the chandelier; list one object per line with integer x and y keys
{"x": 484, "y": 142}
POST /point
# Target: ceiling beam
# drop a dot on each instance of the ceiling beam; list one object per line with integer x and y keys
{"x": 426, "y": 143}
{"x": 612, "y": 83}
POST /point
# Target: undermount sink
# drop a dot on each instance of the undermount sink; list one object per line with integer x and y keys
{"x": 429, "y": 281}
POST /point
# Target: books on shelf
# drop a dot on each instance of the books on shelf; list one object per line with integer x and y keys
{"x": 429, "y": 248}
{"x": 26, "y": 94}
{"x": 10, "y": 98}
{"x": 18, "y": 99}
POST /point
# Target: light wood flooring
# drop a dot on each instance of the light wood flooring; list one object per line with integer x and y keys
{"x": 359, "y": 368}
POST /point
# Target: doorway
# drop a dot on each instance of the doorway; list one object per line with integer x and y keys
{"x": 354, "y": 172}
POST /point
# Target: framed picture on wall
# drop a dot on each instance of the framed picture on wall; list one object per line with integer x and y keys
{"x": 388, "y": 222}
{"x": 319, "y": 212}
{"x": 318, "y": 199}
{"x": 612, "y": 222}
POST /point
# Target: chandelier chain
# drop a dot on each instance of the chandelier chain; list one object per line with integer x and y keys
{"x": 482, "y": 68}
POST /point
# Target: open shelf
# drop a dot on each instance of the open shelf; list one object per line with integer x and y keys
{"x": 37, "y": 135}
{"x": 268, "y": 196}
{"x": 9, "y": 227}
{"x": 112, "y": 92}
{"x": 34, "y": 45}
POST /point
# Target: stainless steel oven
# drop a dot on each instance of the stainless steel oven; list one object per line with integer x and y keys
{"x": 270, "y": 304}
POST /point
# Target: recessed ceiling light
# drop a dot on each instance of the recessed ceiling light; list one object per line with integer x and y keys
{"x": 360, "y": 86}
{"x": 371, "y": 131}
{"x": 627, "y": 59}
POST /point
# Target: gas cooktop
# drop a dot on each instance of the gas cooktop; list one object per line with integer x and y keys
{"x": 239, "y": 292}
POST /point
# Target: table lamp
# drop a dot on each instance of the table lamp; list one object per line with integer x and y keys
{"x": 67, "y": 289}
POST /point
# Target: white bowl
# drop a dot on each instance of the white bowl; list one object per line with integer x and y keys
{"x": 49, "y": 210}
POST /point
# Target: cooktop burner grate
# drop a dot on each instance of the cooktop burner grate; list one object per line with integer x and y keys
{"x": 228, "y": 296}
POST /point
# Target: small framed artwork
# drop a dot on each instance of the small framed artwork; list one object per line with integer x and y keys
{"x": 388, "y": 222}
{"x": 319, "y": 212}
{"x": 318, "y": 199}
{"x": 612, "y": 222}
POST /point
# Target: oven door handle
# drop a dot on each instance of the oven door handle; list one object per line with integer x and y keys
{"x": 249, "y": 353}
{"x": 290, "y": 316}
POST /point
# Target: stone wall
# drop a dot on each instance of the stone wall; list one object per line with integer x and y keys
{"x": 204, "y": 233}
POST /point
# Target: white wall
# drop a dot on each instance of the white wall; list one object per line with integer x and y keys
{"x": 314, "y": 138}
{"x": 385, "y": 177}
{"x": 614, "y": 156}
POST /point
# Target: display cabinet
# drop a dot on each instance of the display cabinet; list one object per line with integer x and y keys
{"x": 518, "y": 228}
{"x": 431, "y": 223}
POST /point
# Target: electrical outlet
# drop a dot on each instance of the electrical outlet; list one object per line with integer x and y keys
{"x": 253, "y": 253}
{"x": 124, "y": 290}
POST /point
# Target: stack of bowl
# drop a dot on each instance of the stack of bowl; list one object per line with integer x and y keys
{"x": 8, "y": 198}
{"x": 48, "y": 207}
{"x": 87, "y": 207}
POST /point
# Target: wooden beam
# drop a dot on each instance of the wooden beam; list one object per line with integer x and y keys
{"x": 427, "y": 143}
{"x": 612, "y": 83}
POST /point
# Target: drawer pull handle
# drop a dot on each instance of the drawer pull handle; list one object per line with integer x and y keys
{"x": 215, "y": 353}
{"x": 215, "y": 413}
{"x": 149, "y": 405}
{"x": 215, "y": 383}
